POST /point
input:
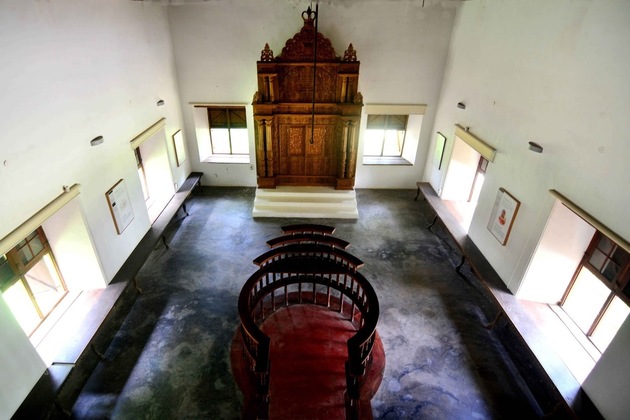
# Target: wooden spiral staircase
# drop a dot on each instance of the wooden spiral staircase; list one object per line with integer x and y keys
{"x": 307, "y": 345}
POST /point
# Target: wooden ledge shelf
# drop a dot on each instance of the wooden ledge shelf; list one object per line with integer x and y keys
{"x": 568, "y": 389}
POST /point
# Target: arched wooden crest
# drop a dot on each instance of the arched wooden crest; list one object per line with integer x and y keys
{"x": 301, "y": 47}
{"x": 306, "y": 138}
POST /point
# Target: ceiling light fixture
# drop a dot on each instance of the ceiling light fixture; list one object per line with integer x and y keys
{"x": 97, "y": 140}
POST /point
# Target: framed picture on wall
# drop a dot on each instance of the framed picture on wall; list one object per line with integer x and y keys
{"x": 503, "y": 214}
{"x": 438, "y": 155}
{"x": 119, "y": 206}
{"x": 180, "y": 150}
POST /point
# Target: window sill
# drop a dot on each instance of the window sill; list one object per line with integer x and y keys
{"x": 227, "y": 159}
{"x": 381, "y": 160}
{"x": 86, "y": 311}
{"x": 577, "y": 353}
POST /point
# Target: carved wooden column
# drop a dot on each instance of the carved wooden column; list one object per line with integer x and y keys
{"x": 264, "y": 151}
{"x": 348, "y": 161}
{"x": 269, "y": 85}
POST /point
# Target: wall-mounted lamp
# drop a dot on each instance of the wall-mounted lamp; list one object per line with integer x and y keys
{"x": 461, "y": 105}
{"x": 96, "y": 141}
{"x": 535, "y": 147}
{"x": 160, "y": 102}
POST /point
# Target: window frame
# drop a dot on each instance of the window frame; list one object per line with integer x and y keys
{"x": 482, "y": 167}
{"x": 20, "y": 270}
{"x": 229, "y": 126}
{"x": 385, "y": 128}
{"x": 201, "y": 123}
{"x": 413, "y": 127}
{"x": 143, "y": 176}
{"x": 615, "y": 285}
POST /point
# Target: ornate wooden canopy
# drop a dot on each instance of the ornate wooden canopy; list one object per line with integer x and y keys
{"x": 307, "y": 111}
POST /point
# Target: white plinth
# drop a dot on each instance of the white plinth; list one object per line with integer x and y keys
{"x": 306, "y": 202}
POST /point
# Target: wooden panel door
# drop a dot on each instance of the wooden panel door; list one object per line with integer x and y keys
{"x": 306, "y": 159}
{"x": 320, "y": 156}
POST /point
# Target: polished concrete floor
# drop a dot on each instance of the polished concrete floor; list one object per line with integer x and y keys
{"x": 171, "y": 358}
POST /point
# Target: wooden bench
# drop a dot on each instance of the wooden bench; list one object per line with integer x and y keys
{"x": 101, "y": 312}
{"x": 139, "y": 255}
{"x": 570, "y": 399}
{"x": 178, "y": 201}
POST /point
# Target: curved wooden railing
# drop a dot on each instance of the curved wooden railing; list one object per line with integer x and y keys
{"x": 301, "y": 238}
{"x": 316, "y": 251}
{"x": 308, "y": 228}
{"x": 310, "y": 273}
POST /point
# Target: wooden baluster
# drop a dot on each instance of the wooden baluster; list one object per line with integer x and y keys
{"x": 300, "y": 291}
{"x": 328, "y": 294}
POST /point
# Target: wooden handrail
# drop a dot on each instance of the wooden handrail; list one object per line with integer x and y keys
{"x": 299, "y": 265}
{"x": 308, "y": 238}
{"x": 310, "y": 250}
{"x": 308, "y": 228}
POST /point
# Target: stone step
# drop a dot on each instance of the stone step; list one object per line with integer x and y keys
{"x": 306, "y": 202}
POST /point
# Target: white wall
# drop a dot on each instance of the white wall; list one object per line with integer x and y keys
{"x": 607, "y": 384}
{"x": 21, "y": 365}
{"x": 73, "y": 249}
{"x": 462, "y": 168}
{"x": 402, "y": 48}
{"x": 555, "y": 73}
{"x": 157, "y": 170}
{"x": 550, "y": 72}
{"x": 558, "y": 254}
{"x": 73, "y": 70}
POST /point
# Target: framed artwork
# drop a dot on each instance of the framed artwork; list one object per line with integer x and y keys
{"x": 119, "y": 205}
{"x": 438, "y": 155}
{"x": 503, "y": 214}
{"x": 180, "y": 150}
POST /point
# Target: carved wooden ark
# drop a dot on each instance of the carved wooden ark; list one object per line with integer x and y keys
{"x": 305, "y": 138}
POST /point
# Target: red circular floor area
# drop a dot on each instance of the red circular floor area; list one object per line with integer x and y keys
{"x": 307, "y": 356}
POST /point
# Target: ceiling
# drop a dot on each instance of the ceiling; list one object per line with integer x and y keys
{"x": 427, "y": 3}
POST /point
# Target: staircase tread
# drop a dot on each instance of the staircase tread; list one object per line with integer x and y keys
{"x": 305, "y": 202}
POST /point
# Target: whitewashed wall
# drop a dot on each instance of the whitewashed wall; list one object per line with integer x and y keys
{"x": 72, "y": 70}
{"x": 553, "y": 72}
{"x": 402, "y": 48}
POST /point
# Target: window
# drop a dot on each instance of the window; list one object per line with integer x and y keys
{"x": 597, "y": 297}
{"x": 385, "y": 135}
{"x": 30, "y": 281}
{"x": 228, "y": 131}
{"x": 221, "y": 133}
{"x": 467, "y": 166}
{"x": 391, "y": 134}
{"x": 480, "y": 175}
{"x": 153, "y": 167}
{"x": 141, "y": 173}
